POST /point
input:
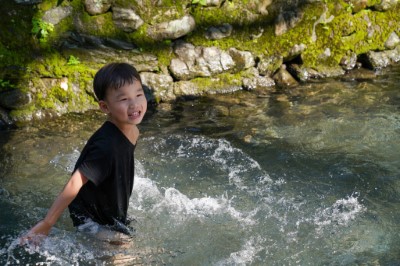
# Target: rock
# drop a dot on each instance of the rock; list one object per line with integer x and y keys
{"x": 349, "y": 61}
{"x": 186, "y": 88}
{"x": 359, "y": 74}
{"x": 213, "y": 2}
{"x": 199, "y": 61}
{"x": 219, "y": 32}
{"x": 287, "y": 20}
{"x": 75, "y": 40}
{"x": 55, "y": 15}
{"x": 118, "y": 44}
{"x": 13, "y": 99}
{"x": 160, "y": 85}
{"x": 328, "y": 72}
{"x": 172, "y": 30}
{"x": 268, "y": 65}
{"x": 126, "y": 19}
{"x": 258, "y": 82}
{"x": 5, "y": 121}
{"x": 28, "y": 2}
{"x": 358, "y": 5}
{"x": 296, "y": 50}
{"x": 243, "y": 59}
{"x": 284, "y": 79}
{"x": 97, "y": 7}
{"x": 306, "y": 73}
{"x": 392, "y": 41}
{"x": 377, "y": 60}
{"x": 303, "y": 73}
{"x": 385, "y": 5}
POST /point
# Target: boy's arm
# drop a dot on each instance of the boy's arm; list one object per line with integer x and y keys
{"x": 67, "y": 195}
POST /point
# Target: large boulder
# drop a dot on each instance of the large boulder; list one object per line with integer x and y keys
{"x": 126, "y": 19}
{"x": 199, "y": 61}
{"x": 160, "y": 85}
{"x": 173, "y": 29}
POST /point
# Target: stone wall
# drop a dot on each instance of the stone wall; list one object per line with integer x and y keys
{"x": 51, "y": 49}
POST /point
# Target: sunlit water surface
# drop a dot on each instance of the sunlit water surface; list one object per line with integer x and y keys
{"x": 308, "y": 176}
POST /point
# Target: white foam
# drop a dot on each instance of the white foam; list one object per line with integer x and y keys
{"x": 342, "y": 212}
{"x": 147, "y": 196}
{"x": 246, "y": 255}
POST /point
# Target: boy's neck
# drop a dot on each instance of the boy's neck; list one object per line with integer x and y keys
{"x": 131, "y": 132}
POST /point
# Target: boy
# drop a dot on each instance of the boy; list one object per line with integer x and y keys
{"x": 101, "y": 184}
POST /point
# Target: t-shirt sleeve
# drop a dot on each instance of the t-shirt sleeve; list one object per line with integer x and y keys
{"x": 96, "y": 165}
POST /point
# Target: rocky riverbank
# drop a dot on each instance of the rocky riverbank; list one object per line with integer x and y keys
{"x": 51, "y": 49}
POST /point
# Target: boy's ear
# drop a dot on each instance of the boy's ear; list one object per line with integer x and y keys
{"x": 103, "y": 106}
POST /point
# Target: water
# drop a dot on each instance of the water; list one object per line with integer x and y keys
{"x": 309, "y": 176}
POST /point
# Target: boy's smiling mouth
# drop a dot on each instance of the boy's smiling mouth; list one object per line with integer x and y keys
{"x": 134, "y": 114}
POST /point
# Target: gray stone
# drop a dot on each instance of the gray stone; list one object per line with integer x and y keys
{"x": 160, "y": 85}
{"x": 219, "y": 32}
{"x": 392, "y": 41}
{"x": 199, "y": 61}
{"x": 172, "y": 29}
{"x": 243, "y": 59}
{"x": 55, "y": 15}
{"x": 14, "y": 99}
{"x": 303, "y": 73}
{"x": 296, "y": 50}
{"x": 258, "y": 82}
{"x": 186, "y": 88}
{"x": 349, "y": 61}
{"x": 377, "y": 60}
{"x": 213, "y": 2}
{"x": 126, "y": 19}
{"x": 385, "y": 5}
{"x": 97, "y": 7}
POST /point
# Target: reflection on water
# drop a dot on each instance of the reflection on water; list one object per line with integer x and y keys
{"x": 308, "y": 176}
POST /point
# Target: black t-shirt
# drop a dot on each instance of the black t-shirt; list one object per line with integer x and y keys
{"x": 107, "y": 161}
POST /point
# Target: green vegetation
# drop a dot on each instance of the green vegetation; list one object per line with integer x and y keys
{"x": 41, "y": 29}
{"x": 72, "y": 60}
{"x": 200, "y": 2}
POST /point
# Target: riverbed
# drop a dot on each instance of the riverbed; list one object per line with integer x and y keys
{"x": 303, "y": 176}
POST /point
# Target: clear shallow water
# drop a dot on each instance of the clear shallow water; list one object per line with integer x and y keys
{"x": 303, "y": 177}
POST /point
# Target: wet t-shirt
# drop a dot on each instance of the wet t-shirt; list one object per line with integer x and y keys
{"x": 107, "y": 161}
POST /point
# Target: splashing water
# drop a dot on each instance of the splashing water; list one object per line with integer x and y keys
{"x": 310, "y": 180}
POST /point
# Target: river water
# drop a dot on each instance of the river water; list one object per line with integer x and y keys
{"x": 306, "y": 176}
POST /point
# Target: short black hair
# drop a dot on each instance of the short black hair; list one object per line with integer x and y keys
{"x": 114, "y": 76}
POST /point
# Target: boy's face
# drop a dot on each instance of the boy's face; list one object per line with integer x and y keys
{"x": 126, "y": 105}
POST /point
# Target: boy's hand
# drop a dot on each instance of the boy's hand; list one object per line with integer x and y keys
{"x": 36, "y": 234}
